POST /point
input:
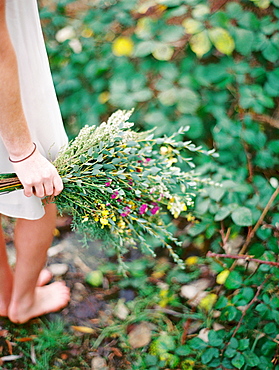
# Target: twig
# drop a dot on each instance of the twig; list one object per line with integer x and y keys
{"x": 186, "y": 327}
{"x": 243, "y": 257}
{"x": 224, "y": 236}
{"x": 265, "y": 119}
{"x": 260, "y": 287}
{"x": 259, "y": 222}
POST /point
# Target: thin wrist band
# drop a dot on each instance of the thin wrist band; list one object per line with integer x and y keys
{"x": 23, "y": 159}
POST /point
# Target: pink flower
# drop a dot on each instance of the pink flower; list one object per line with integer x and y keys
{"x": 108, "y": 183}
{"x": 147, "y": 159}
{"x": 154, "y": 210}
{"x": 127, "y": 210}
{"x": 114, "y": 195}
{"x": 143, "y": 209}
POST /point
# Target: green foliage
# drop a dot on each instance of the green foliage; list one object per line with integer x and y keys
{"x": 188, "y": 62}
{"x": 46, "y": 342}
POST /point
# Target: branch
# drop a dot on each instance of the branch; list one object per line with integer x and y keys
{"x": 243, "y": 257}
{"x": 259, "y": 222}
{"x": 253, "y": 300}
{"x": 265, "y": 119}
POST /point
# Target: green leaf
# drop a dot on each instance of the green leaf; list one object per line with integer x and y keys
{"x": 251, "y": 358}
{"x": 183, "y": 350}
{"x": 238, "y": 361}
{"x": 234, "y": 280}
{"x": 188, "y": 101}
{"x": 244, "y": 40}
{"x": 222, "y": 213}
{"x": 242, "y": 216}
{"x": 214, "y": 339}
{"x": 209, "y": 354}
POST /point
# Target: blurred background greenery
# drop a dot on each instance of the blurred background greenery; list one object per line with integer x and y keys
{"x": 212, "y": 65}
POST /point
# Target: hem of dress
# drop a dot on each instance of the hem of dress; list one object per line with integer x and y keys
{"x": 4, "y": 213}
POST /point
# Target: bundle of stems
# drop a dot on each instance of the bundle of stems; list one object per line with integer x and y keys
{"x": 121, "y": 185}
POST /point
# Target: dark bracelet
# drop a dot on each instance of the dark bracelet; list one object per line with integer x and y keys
{"x": 23, "y": 159}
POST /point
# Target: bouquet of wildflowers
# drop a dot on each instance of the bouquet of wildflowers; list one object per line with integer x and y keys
{"x": 119, "y": 184}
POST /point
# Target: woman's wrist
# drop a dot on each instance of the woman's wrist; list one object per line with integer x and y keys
{"x": 23, "y": 157}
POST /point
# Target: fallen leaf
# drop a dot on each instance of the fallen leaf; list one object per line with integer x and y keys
{"x": 195, "y": 291}
{"x": 83, "y": 329}
{"x": 26, "y": 339}
{"x": 3, "y": 333}
{"x": 10, "y": 358}
{"x": 33, "y": 354}
{"x": 203, "y": 334}
{"x": 99, "y": 363}
{"x": 140, "y": 335}
{"x": 117, "y": 352}
{"x": 10, "y": 348}
{"x": 121, "y": 311}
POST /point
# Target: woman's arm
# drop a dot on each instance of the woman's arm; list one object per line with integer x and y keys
{"x": 36, "y": 173}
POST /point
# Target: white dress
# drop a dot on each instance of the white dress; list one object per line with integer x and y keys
{"x": 38, "y": 98}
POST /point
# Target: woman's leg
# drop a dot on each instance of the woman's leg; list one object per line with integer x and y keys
{"x": 32, "y": 240}
{"x": 6, "y": 277}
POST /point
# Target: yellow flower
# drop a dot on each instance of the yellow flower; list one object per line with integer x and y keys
{"x": 105, "y": 213}
{"x": 123, "y": 46}
{"x": 190, "y": 217}
{"x": 113, "y": 218}
{"x": 184, "y": 207}
{"x": 121, "y": 224}
{"x": 96, "y": 218}
{"x": 172, "y": 160}
{"x": 104, "y": 221}
{"x": 176, "y": 214}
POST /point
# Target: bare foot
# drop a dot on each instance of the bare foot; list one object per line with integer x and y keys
{"x": 49, "y": 298}
{"x": 44, "y": 277}
{"x": 5, "y": 290}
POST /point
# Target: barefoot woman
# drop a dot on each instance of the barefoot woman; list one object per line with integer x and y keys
{"x": 31, "y": 133}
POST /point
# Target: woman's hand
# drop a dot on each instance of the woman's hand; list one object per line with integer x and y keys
{"x": 38, "y": 176}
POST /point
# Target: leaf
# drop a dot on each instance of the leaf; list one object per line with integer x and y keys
{"x": 192, "y": 26}
{"x": 234, "y": 280}
{"x": 163, "y": 52}
{"x": 144, "y": 48}
{"x": 222, "y": 213}
{"x": 238, "y": 361}
{"x": 251, "y": 358}
{"x": 242, "y": 216}
{"x": 222, "y": 40}
{"x": 222, "y": 276}
{"x": 244, "y": 40}
{"x": 83, "y": 329}
{"x": 200, "y": 43}
{"x": 214, "y": 339}
{"x": 209, "y": 354}
{"x": 208, "y": 301}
